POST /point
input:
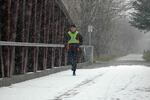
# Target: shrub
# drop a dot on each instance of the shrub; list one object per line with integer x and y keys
{"x": 146, "y": 55}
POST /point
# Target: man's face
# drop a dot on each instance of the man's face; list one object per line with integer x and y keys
{"x": 73, "y": 29}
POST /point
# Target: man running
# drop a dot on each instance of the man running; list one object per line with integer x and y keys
{"x": 72, "y": 42}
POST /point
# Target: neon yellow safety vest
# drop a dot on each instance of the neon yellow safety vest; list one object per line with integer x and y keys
{"x": 73, "y": 38}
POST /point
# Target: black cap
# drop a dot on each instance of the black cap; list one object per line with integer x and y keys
{"x": 73, "y": 25}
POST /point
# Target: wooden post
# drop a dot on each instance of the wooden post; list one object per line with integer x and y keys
{"x": 2, "y": 64}
{"x": 45, "y": 35}
{"x": 60, "y": 37}
{"x": 36, "y": 50}
{"x": 27, "y": 21}
{"x": 66, "y": 54}
{"x": 49, "y": 26}
{"x": 14, "y": 17}
{"x": 53, "y": 32}
{"x": 39, "y": 28}
{"x": 23, "y": 70}
{"x": 1, "y": 52}
{"x": 1, "y": 58}
{"x": 7, "y": 49}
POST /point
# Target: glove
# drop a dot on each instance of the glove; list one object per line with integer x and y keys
{"x": 67, "y": 47}
{"x": 78, "y": 49}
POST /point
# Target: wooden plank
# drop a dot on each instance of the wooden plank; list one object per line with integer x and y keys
{"x": 25, "y": 44}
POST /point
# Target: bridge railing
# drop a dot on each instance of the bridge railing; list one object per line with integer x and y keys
{"x": 32, "y": 57}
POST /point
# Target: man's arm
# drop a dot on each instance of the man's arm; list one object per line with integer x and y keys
{"x": 80, "y": 39}
{"x": 66, "y": 39}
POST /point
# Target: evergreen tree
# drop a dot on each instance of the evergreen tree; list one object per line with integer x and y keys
{"x": 141, "y": 16}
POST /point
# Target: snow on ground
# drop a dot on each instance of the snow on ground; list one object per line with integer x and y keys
{"x": 109, "y": 83}
{"x": 132, "y": 57}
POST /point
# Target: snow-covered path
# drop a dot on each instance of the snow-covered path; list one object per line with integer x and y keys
{"x": 109, "y": 83}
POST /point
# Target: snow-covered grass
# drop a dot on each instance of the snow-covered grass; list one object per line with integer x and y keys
{"x": 109, "y": 83}
{"x": 131, "y": 57}
{"x": 105, "y": 58}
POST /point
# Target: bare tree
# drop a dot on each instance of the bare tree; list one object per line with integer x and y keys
{"x": 101, "y": 14}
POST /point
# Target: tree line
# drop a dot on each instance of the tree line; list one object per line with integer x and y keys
{"x": 103, "y": 15}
